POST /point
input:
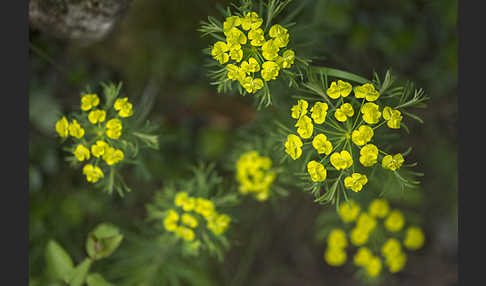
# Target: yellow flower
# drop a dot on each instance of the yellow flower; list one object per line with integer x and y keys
{"x": 189, "y": 204}
{"x": 123, "y": 107}
{"x": 395, "y": 221}
{"x": 235, "y": 36}
{"x": 256, "y": 37}
{"x": 366, "y": 222}
{"x": 251, "y": 21}
{"x": 316, "y": 171}
{"x": 392, "y": 117}
{"x": 252, "y": 84}
{"x": 368, "y": 155}
{"x": 396, "y": 263}
{"x": 304, "y": 127}
{"x": 93, "y": 173}
{"x": 180, "y": 198}
{"x": 280, "y": 35}
{"x": 355, "y": 182}
{"x": 235, "y": 52}
{"x": 234, "y": 72}
{"x": 114, "y": 128}
{"x": 321, "y": 144}
{"x": 218, "y": 223}
{"x": 378, "y": 208}
{"x": 319, "y": 112}
{"x": 170, "y": 220}
{"x": 99, "y": 148}
{"x": 335, "y": 256}
{"x": 392, "y": 163}
{"x": 76, "y": 130}
{"x": 88, "y": 101}
{"x": 204, "y": 207}
{"x": 341, "y": 160}
{"x": 286, "y": 60}
{"x": 363, "y": 256}
{"x": 414, "y": 238}
{"x": 359, "y": 236}
{"x": 337, "y": 238}
{"x": 113, "y": 156}
{"x": 374, "y": 267}
{"x": 293, "y": 146}
{"x": 270, "y": 50}
{"x": 371, "y": 113}
{"x": 342, "y": 113}
{"x": 185, "y": 233}
{"x": 96, "y": 116}
{"x": 391, "y": 248}
{"x": 341, "y": 88}
{"x": 362, "y": 135}
{"x": 263, "y": 195}
{"x": 62, "y": 127}
{"x": 219, "y": 52}
{"x": 230, "y": 23}
{"x": 189, "y": 220}
{"x": 250, "y": 66}
{"x": 270, "y": 70}
{"x": 81, "y": 153}
{"x": 349, "y": 212}
{"x": 367, "y": 91}
{"x": 299, "y": 109}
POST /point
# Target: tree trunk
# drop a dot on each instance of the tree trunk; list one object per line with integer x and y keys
{"x": 82, "y": 21}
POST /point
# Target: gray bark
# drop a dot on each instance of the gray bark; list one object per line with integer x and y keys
{"x": 82, "y": 21}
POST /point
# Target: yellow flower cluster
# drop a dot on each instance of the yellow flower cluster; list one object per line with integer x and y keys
{"x": 194, "y": 211}
{"x": 97, "y": 146}
{"x": 247, "y": 51}
{"x": 254, "y": 175}
{"x": 393, "y": 256}
{"x": 344, "y": 137}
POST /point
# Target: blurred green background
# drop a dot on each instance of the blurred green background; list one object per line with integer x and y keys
{"x": 156, "y": 48}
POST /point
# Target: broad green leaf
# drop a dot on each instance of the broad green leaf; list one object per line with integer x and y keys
{"x": 59, "y": 263}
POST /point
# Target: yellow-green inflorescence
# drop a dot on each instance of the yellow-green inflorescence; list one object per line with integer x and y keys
{"x": 192, "y": 217}
{"x": 255, "y": 175}
{"x": 378, "y": 236}
{"x": 94, "y": 135}
{"x": 341, "y": 132}
{"x": 251, "y": 55}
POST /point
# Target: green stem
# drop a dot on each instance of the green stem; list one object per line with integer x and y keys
{"x": 379, "y": 125}
{"x": 359, "y": 113}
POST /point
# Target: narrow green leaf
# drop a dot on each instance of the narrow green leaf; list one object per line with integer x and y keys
{"x": 78, "y": 275}
{"x": 341, "y": 74}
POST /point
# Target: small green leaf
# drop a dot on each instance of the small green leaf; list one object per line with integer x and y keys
{"x": 413, "y": 116}
{"x": 59, "y": 263}
{"x": 150, "y": 140}
{"x": 103, "y": 241}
